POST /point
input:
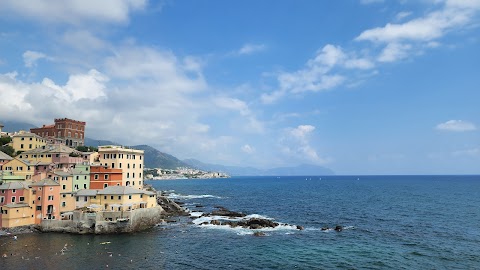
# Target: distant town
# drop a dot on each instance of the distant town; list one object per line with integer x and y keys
{"x": 50, "y": 179}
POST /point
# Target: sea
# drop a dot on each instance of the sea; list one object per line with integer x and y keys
{"x": 389, "y": 222}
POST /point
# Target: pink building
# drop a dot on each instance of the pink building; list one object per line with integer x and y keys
{"x": 13, "y": 196}
{"x": 46, "y": 194}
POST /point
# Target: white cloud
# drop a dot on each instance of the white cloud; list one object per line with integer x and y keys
{"x": 296, "y": 144}
{"x": 456, "y": 126}
{"x": 402, "y": 15}
{"x": 73, "y": 11}
{"x": 402, "y": 39}
{"x": 163, "y": 67}
{"x": 31, "y": 57}
{"x": 319, "y": 74}
{"x": 248, "y": 149}
{"x": 473, "y": 152}
{"x": 251, "y": 48}
{"x": 232, "y": 104}
{"x": 394, "y": 51}
{"x": 368, "y": 2}
{"x": 83, "y": 40}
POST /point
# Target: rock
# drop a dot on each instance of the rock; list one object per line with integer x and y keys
{"x": 198, "y": 205}
{"x": 300, "y": 228}
{"x": 255, "y": 226}
{"x": 338, "y": 228}
{"x": 259, "y": 234}
{"x": 325, "y": 228}
{"x": 226, "y": 213}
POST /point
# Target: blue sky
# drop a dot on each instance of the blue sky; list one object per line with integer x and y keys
{"x": 358, "y": 86}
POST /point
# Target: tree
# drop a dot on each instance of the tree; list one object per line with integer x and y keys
{"x": 7, "y": 149}
{"x": 5, "y": 140}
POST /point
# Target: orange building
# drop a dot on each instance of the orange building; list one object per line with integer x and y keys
{"x": 72, "y": 132}
{"x": 102, "y": 177}
{"x": 46, "y": 194}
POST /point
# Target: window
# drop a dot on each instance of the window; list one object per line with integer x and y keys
{"x": 96, "y": 177}
{"x": 64, "y": 195}
{"x": 128, "y": 166}
{"x": 105, "y": 185}
{"x": 85, "y": 177}
{"x": 111, "y": 197}
{"x": 39, "y": 198}
{"x": 133, "y": 175}
{"x": 30, "y": 146}
{"x": 104, "y": 197}
{"x": 13, "y": 199}
{"x": 128, "y": 175}
{"x": 129, "y": 197}
{"x": 64, "y": 204}
{"x": 2, "y": 199}
{"x": 77, "y": 177}
{"x": 85, "y": 186}
{"x": 105, "y": 176}
{"x": 134, "y": 165}
{"x": 113, "y": 165}
{"x": 140, "y": 176}
{"x": 50, "y": 197}
{"x": 120, "y": 165}
{"x": 140, "y": 166}
{"x": 14, "y": 191}
{"x": 64, "y": 187}
{"x": 21, "y": 145}
{"x": 85, "y": 198}
{"x": 39, "y": 207}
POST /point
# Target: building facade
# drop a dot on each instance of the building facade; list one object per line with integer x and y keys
{"x": 70, "y": 131}
{"x": 130, "y": 161}
{"x": 46, "y": 194}
{"x": 15, "y": 199}
{"x": 102, "y": 177}
{"x": 25, "y": 141}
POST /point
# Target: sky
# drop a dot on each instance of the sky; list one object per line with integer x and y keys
{"x": 357, "y": 86}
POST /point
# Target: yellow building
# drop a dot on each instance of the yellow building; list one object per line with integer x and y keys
{"x": 116, "y": 198}
{"x": 129, "y": 160}
{"x": 24, "y": 141}
{"x": 20, "y": 167}
{"x": 52, "y": 153}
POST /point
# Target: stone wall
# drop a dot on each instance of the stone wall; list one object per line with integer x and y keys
{"x": 106, "y": 222}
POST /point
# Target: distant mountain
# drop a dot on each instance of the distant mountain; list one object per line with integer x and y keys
{"x": 96, "y": 143}
{"x": 304, "y": 169}
{"x": 157, "y": 159}
{"x": 13, "y": 126}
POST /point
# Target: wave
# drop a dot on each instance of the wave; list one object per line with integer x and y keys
{"x": 189, "y": 197}
{"x": 344, "y": 228}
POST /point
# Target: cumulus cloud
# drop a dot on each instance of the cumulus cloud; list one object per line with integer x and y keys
{"x": 73, "y": 11}
{"x": 456, "y": 126}
{"x": 30, "y": 58}
{"x": 296, "y": 144}
{"x": 251, "y": 48}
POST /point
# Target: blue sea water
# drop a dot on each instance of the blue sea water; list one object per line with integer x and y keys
{"x": 392, "y": 222}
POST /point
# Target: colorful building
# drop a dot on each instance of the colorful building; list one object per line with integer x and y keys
{"x": 24, "y": 141}
{"x": 15, "y": 208}
{"x": 46, "y": 194}
{"x": 116, "y": 198}
{"x": 20, "y": 167}
{"x": 72, "y": 132}
{"x": 4, "y": 158}
{"x": 65, "y": 179}
{"x": 81, "y": 177}
{"x": 129, "y": 160}
{"x": 63, "y": 156}
{"x": 102, "y": 177}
